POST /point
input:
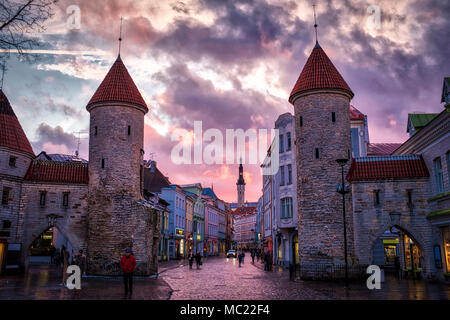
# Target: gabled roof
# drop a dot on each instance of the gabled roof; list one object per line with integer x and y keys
{"x": 420, "y": 120}
{"x": 319, "y": 73}
{"x": 209, "y": 192}
{"x": 11, "y": 133}
{"x": 388, "y": 167}
{"x": 118, "y": 86}
{"x": 154, "y": 180}
{"x": 56, "y": 171}
{"x": 382, "y": 149}
{"x": 355, "y": 114}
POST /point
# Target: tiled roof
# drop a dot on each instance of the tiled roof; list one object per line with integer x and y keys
{"x": 11, "y": 132}
{"x": 118, "y": 86}
{"x": 388, "y": 167}
{"x": 319, "y": 73}
{"x": 240, "y": 211}
{"x": 355, "y": 114}
{"x": 53, "y": 171}
{"x": 59, "y": 157}
{"x": 382, "y": 149}
{"x": 154, "y": 180}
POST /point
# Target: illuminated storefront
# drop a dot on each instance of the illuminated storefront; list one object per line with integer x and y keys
{"x": 446, "y": 247}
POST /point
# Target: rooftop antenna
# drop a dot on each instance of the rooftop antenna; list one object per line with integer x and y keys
{"x": 77, "y": 152}
{"x": 120, "y": 36}
{"x": 315, "y": 22}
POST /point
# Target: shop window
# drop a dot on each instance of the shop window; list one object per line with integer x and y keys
{"x": 446, "y": 243}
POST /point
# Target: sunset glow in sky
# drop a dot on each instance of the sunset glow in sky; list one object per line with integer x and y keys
{"x": 229, "y": 64}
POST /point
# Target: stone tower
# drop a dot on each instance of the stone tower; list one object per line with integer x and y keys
{"x": 241, "y": 186}
{"x": 15, "y": 157}
{"x": 118, "y": 218}
{"x": 321, "y": 100}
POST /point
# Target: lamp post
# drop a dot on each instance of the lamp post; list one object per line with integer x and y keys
{"x": 342, "y": 190}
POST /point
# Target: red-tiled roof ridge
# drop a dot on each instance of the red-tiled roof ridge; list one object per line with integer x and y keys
{"x": 242, "y": 210}
{"x": 319, "y": 73}
{"x": 57, "y": 171}
{"x": 118, "y": 86}
{"x": 11, "y": 133}
{"x": 355, "y": 114}
{"x": 387, "y": 167}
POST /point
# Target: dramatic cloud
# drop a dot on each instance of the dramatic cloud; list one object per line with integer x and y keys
{"x": 231, "y": 64}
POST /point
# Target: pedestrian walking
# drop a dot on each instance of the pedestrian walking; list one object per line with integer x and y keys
{"x": 52, "y": 254}
{"x": 65, "y": 264}
{"x": 253, "y": 256}
{"x": 80, "y": 261}
{"x": 266, "y": 261}
{"x": 198, "y": 259}
{"x": 191, "y": 260}
{"x": 128, "y": 264}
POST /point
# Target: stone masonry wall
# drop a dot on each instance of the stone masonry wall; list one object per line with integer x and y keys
{"x": 32, "y": 217}
{"x": 320, "y": 227}
{"x": 370, "y": 220}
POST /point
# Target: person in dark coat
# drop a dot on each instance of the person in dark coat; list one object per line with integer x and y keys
{"x": 253, "y": 254}
{"x": 80, "y": 260}
{"x": 191, "y": 260}
{"x": 397, "y": 267}
{"x": 198, "y": 259}
{"x": 128, "y": 265}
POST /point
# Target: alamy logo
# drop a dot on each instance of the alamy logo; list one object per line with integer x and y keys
{"x": 74, "y": 280}
{"x": 74, "y": 20}
{"x": 374, "y": 281}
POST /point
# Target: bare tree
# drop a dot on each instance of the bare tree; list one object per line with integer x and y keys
{"x": 20, "y": 21}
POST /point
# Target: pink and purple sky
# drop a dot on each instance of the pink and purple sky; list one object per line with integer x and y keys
{"x": 230, "y": 64}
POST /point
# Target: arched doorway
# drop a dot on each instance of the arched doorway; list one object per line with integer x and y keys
{"x": 397, "y": 252}
{"x": 46, "y": 247}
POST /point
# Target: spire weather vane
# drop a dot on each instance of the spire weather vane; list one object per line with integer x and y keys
{"x": 120, "y": 35}
{"x": 315, "y": 22}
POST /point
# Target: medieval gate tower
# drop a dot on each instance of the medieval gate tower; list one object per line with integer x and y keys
{"x": 321, "y": 99}
{"x": 118, "y": 218}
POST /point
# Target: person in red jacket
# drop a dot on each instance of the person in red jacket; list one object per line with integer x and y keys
{"x": 128, "y": 264}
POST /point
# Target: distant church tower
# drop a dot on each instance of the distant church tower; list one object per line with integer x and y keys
{"x": 321, "y": 100}
{"x": 117, "y": 217}
{"x": 241, "y": 186}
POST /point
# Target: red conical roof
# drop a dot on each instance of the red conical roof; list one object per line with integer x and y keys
{"x": 118, "y": 86}
{"x": 11, "y": 133}
{"x": 319, "y": 73}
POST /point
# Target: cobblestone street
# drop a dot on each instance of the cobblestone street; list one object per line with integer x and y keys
{"x": 222, "y": 279}
{"x": 218, "y": 279}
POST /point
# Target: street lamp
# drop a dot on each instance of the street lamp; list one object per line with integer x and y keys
{"x": 343, "y": 190}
